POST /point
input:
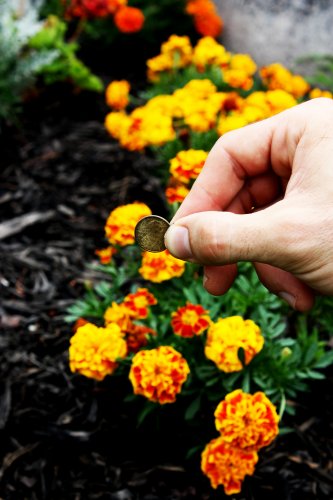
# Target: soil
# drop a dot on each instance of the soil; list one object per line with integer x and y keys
{"x": 64, "y": 436}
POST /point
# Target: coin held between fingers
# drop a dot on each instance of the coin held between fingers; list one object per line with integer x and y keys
{"x": 149, "y": 233}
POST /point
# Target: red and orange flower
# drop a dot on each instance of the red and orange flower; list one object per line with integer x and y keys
{"x": 138, "y": 302}
{"x": 190, "y": 320}
{"x": 247, "y": 421}
{"x": 160, "y": 267}
{"x": 129, "y": 19}
{"x": 105, "y": 254}
{"x": 226, "y": 465}
{"x": 158, "y": 374}
{"x": 120, "y": 225}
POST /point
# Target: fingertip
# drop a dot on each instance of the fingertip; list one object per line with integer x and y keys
{"x": 218, "y": 279}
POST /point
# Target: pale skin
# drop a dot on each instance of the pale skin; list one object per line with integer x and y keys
{"x": 265, "y": 195}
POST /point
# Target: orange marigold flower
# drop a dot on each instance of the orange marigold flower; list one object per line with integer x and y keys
{"x": 117, "y": 94}
{"x": 160, "y": 267}
{"x": 159, "y": 374}
{"x": 105, "y": 254}
{"x": 316, "y": 92}
{"x": 247, "y": 421}
{"x": 92, "y": 8}
{"x": 137, "y": 303}
{"x": 176, "y": 194}
{"x": 137, "y": 336}
{"x": 120, "y": 225}
{"x": 187, "y": 165}
{"x": 190, "y": 320}
{"x": 238, "y": 78}
{"x": 227, "y": 336}
{"x": 94, "y": 351}
{"x": 119, "y": 314}
{"x": 226, "y": 465}
{"x": 129, "y": 19}
{"x": 208, "y": 24}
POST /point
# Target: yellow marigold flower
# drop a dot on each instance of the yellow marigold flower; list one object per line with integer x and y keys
{"x": 190, "y": 320}
{"x": 208, "y": 51}
{"x": 105, "y": 254}
{"x": 279, "y": 100}
{"x": 165, "y": 104}
{"x": 120, "y": 225}
{"x": 137, "y": 303}
{"x": 243, "y": 62}
{"x": 227, "y": 466}
{"x": 203, "y": 116}
{"x": 299, "y": 86}
{"x": 176, "y": 193}
{"x": 117, "y": 123}
{"x": 158, "y": 374}
{"x": 160, "y": 267}
{"x": 253, "y": 114}
{"x": 156, "y": 128}
{"x": 119, "y": 314}
{"x": 158, "y": 64}
{"x": 181, "y": 49}
{"x": 117, "y": 94}
{"x": 230, "y": 122}
{"x": 226, "y": 336}
{"x": 238, "y": 79}
{"x": 247, "y": 421}
{"x": 187, "y": 165}
{"x": 94, "y": 351}
{"x": 320, "y": 93}
{"x": 200, "y": 89}
{"x": 258, "y": 100}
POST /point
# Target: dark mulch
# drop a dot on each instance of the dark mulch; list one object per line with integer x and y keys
{"x": 63, "y": 437}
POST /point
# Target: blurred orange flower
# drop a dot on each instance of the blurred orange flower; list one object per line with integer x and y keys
{"x": 247, "y": 421}
{"x": 158, "y": 374}
{"x": 129, "y": 19}
{"x": 105, "y": 254}
{"x": 187, "y": 165}
{"x": 117, "y": 94}
{"x": 226, "y": 465}
{"x": 119, "y": 314}
{"x": 207, "y": 22}
{"x": 190, "y": 320}
{"x": 137, "y": 336}
{"x": 176, "y": 193}
{"x": 160, "y": 267}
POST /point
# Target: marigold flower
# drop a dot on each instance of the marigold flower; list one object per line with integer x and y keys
{"x": 117, "y": 94}
{"x": 243, "y": 62}
{"x": 160, "y": 267}
{"x": 207, "y": 52}
{"x": 119, "y": 314}
{"x": 226, "y": 336}
{"x": 137, "y": 303}
{"x": 316, "y": 92}
{"x": 226, "y": 465}
{"x": 94, "y": 351}
{"x": 238, "y": 78}
{"x": 208, "y": 24}
{"x": 176, "y": 193}
{"x": 231, "y": 122}
{"x": 180, "y": 49}
{"x": 79, "y": 322}
{"x": 247, "y": 421}
{"x": 190, "y": 320}
{"x": 277, "y": 77}
{"x": 279, "y": 100}
{"x": 187, "y": 165}
{"x": 129, "y": 19}
{"x": 120, "y": 225}
{"x": 158, "y": 374}
{"x": 105, "y": 254}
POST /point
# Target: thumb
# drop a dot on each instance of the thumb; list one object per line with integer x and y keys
{"x": 219, "y": 238}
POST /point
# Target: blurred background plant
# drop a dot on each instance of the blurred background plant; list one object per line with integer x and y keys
{"x": 32, "y": 51}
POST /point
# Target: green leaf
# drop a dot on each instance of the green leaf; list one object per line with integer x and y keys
{"x": 193, "y": 408}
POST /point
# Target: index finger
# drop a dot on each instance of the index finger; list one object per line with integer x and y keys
{"x": 235, "y": 157}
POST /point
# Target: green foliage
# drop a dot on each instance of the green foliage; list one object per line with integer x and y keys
{"x": 321, "y": 70}
{"x": 19, "y": 66}
{"x": 66, "y": 66}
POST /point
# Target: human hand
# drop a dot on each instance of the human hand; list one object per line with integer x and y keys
{"x": 265, "y": 195}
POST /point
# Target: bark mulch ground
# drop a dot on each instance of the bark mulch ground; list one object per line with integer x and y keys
{"x": 63, "y": 437}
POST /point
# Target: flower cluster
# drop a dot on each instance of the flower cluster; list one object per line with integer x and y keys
{"x": 201, "y": 106}
{"x": 127, "y": 19}
{"x": 94, "y": 351}
{"x": 120, "y": 225}
{"x": 207, "y": 22}
{"x": 227, "y": 336}
{"x": 246, "y": 423}
{"x": 158, "y": 374}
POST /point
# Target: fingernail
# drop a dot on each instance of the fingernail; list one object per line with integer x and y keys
{"x": 177, "y": 242}
{"x": 289, "y": 298}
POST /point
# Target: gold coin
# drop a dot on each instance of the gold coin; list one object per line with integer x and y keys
{"x": 149, "y": 233}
